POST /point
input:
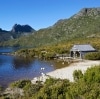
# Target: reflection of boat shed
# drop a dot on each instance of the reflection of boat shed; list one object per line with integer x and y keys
{"x": 81, "y": 50}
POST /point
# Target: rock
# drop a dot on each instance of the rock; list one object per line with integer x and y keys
{"x": 13, "y": 91}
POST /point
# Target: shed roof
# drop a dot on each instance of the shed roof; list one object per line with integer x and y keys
{"x": 84, "y": 47}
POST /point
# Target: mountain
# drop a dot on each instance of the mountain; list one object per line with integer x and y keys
{"x": 17, "y": 28}
{"x": 84, "y": 24}
{"x": 16, "y": 32}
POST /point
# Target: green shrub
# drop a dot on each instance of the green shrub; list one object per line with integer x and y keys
{"x": 93, "y": 56}
{"x": 77, "y": 74}
{"x": 92, "y": 75}
{"x": 21, "y": 83}
{"x": 32, "y": 89}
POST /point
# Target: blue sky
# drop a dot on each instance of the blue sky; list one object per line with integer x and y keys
{"x": 40, "y": 13}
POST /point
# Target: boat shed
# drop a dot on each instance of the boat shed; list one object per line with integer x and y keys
{"x": 79, "y": 50}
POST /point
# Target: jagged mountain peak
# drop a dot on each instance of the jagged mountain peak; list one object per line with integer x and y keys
{"x": 22, "y": 28}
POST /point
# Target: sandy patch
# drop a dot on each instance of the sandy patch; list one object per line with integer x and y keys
{"x": 67, "y": 72}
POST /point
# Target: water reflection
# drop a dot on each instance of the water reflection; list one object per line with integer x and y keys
{"x": 5, "y": 59}
{"x": 12, "y": 69}
{"x": 22, "y": 63}
{"x": 15, "y": 68}
{"x": 1, "y": 61}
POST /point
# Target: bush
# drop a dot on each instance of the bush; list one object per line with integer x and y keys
{"x": 53, "y": 89}
{"x": 93, "y": 56}
{"x": 92, "y": 75}
{"x": 21, "y": 83}
{"x": 32, "y": 89}
{"x": 77, "y": 74}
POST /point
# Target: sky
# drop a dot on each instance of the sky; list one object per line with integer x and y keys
{"x": 40, "y": 13}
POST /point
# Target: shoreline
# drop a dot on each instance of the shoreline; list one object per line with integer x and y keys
{"x": 67, "y": 72}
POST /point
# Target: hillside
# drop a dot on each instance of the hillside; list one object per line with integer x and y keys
{"x": 84, "y": 24}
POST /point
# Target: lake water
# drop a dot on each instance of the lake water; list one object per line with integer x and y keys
{"x": 14, "y": 68}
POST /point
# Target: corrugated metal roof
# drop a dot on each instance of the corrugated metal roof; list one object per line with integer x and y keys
{"x": 84, "y": 47}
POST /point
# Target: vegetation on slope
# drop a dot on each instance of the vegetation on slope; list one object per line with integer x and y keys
{"x": 49, "y": 52}
{"x": 85, "y": 24}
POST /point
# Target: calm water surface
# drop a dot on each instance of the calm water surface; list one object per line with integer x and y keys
{"x": 14, "y": 68}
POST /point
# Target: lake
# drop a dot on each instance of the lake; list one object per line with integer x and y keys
{"x": 14, "y": 68}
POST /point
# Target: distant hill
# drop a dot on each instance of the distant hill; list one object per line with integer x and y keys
{"x": 84, "y": 24}
{"x": 1, "y": 31}
{"x": 5, "y": 35}
{"x": 16, "y": 32}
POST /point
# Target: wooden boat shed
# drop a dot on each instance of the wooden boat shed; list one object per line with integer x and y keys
{"x": 78, "y": 51}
